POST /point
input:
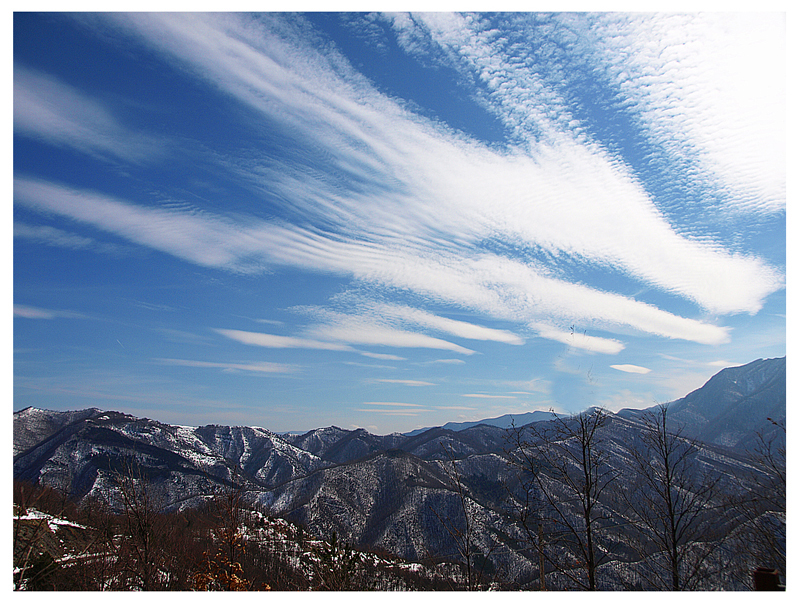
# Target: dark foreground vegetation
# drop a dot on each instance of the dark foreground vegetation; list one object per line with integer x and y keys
{"x": 225, "y": 545}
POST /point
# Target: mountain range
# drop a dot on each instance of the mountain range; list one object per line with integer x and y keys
{"x": 397, "y": 493}
{"x": 503, "y": 422}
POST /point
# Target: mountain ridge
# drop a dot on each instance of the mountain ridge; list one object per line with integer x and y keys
{"x": 682, "y": 411}
{"x": 395, "y": 492}
{"x": 505, "y": 421}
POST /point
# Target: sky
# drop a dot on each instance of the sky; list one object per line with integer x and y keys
{"x": 391, "y": 221}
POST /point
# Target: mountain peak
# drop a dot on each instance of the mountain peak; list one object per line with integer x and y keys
{"x": 734, "y": 404}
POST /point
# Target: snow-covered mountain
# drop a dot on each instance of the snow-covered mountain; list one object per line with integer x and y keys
{"x": 732, "y": 407}
{"x": 504, "y": 421}
{"x": 735, "y": 404}
{"x": 82, "y": 452}
{"x": 397, "y": 492}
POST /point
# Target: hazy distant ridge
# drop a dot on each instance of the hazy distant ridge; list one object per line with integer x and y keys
{"x": 504, "y": 422}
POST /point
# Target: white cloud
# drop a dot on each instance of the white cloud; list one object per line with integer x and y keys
{"x": 266, "y": 340}
{"x": 590, "y": 343}
{"x": 42, "y": 313}
{"x": 568, "y": 195}
{"x": 31, "y": 312}
{"x": 576, "y": 198}
{"x": 268, "y": 321}
{"x": 256, "y": 367}
{"x": 458, "y": 328}
{"x": 51, "y": 110}
{"x": 489, "y": 396}
{"x": 52, "y": 236}
{"x": 540, "y": 386}
{"x": 409, "y": 382}
{"x": 396, "y": 412}
{"x": 382, "y": 356}
{"x": 355, "y": 330}
{"x": 630, "y": 368}
{"x": 707, "y": 89}
{"x": 720, "y": 363}
{"x": 627, "y": 399}
{"x": 500, "y": 287}
{"x": 415, "y": 201}
{"x": 56, "y": 237}
{"x": 194, "y": 238}
{"x": 710, "y": 89}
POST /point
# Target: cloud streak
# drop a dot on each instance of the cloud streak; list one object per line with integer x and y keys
{"x": 409, "y": 382}
{"x": 253, "y": 367}
{"x": 265, "y": 340}
{"x": 35, "y": 313}
{"x": 501, "y": 287}
{"x": 414, "y": 206}
{"x": 355, "y": 330}
{"x": 710, "y": 89}
{"x": 630, "y": 368}
{"x": 52, "y": 111}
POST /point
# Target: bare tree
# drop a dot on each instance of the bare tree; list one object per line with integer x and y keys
{"x": 671, "y": 503}
{"x": 31, "y": 554}
{"x": 145, "y": 528}
{"x": 525, "y": 500}
{"x": 463, "y": 527}
{"x": 334, "y": 565}
{"x": 761, "y": 501}
{"x": 230, "y": 568}
{"x": 566, "y": 460}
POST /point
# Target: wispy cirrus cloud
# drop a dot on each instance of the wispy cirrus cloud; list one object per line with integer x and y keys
{"x": 415, "y": 206}
{"x": 551, "y": 198}
{"x": 57, "y": 237}
{"x": 710, "y": 89}
{"x": 458, "y": 328}
{"x": 382, "y": 356}
{"x": 50, "y": 110}
{"x": 35, "y": 313}
{"x": 355, "y": 330}
{"x": 707, "y": 90}
{"x": 266, "y": 340}
{"x": 720, "y": 363}
{"x": 581, "y": 341}
{"x": 340, "y": 335}
{"x": 409, "y": 382}
{"x": 403, "y": 409}
{"x": 630, "y": 368}
{"x": 501, "y": 287}
{"x": 251, "y": 367}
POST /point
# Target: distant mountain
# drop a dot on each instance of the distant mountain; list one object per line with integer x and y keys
{"x": 184, "y": 464}
{"x": 388, "y": 500}
{"x": 503, "y": 422}
{"x": 733, "y": 406}
{"x": 32, "y": 425}
{"x": 394, "y": 492}
{"x": 335, "y": 445}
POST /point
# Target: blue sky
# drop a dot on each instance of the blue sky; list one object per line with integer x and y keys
{"x": 392, "y": 221}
